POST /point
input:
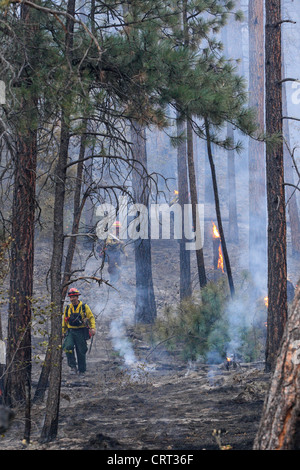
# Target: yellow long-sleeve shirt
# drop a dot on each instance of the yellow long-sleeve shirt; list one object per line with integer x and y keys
{"x": 88, "y": 315}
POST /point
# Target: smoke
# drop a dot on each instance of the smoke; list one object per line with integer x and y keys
{"x": 136, "y": 370}
{"x": 121, "y": 343}
{"x": 239, "y": 315}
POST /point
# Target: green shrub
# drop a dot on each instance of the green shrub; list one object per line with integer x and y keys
{"x": 192, "y": 329}
{"x": 252, "y": 343}
{"x": 218, "y": 325}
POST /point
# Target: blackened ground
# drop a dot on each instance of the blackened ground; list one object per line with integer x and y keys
{"x": 159, "y": 405}
{"x": 158, "y": 402}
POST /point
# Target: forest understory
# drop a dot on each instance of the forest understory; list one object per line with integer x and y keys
{"x": 159, "y": 403}
{"x": 145, "y": 398}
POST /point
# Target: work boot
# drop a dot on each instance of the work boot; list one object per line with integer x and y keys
{"x": 73, "y": 370}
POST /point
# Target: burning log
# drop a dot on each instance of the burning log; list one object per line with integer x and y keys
{"x": 228, "y": 363}
{"x": 231, "y": 362}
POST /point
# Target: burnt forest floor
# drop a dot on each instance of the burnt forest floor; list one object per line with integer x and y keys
{"x": 162, "y": 405}
{"x": 156, "y": 402}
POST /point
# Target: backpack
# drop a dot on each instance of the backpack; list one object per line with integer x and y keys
{"x": 75, "y": 319}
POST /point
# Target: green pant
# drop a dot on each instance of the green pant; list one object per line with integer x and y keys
{"x": 75, "y": 339}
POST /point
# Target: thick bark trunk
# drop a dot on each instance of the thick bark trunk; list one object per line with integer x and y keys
{"x": 277, "y": 268}
{"x": 21, "y": 280}
{"x": 18, "y": 365}
{"x": 279, "y": 427}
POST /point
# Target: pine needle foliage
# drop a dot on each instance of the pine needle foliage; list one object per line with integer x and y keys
{"x": 192, "y": 329}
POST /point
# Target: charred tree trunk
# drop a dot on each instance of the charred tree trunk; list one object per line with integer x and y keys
{"x": 257, "y": 183}
{"x": 185, "y": 290}
{"x": 277, "y": 267}
{"x": 194, "y": 202}
{"x": 18, "y": 359}
{"x": 49, "y": 430}
{"x": 191, "y": 168}
{"x": 183, "y": 198}
{"x": 279, "y": 427}
{"x": 218, "y": 211}
{"x": 50, "y": 426}
{"x": 145, "y": 307}
{"x": 208, "y": 189}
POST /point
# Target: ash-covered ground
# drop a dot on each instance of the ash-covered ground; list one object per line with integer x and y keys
{"x": 137, "y": 397}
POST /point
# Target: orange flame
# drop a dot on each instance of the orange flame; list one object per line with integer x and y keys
{"x": 266, "y": 299}
{"x": 175, "y": 191}
{"x": 215, "y": 232}
{"x": 220, "y": 260}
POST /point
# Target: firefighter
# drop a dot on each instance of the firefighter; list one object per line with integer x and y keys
{"x": 78, "y": 325}
{"x": 111, "y": 252}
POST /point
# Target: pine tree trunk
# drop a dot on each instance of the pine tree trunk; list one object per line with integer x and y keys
{"x": 18, "y": 365}
{"x": 279, "y": 427}
{"x": 277, "y": 268}
{"x": 194, "y": 202}
{"x": 191, "y": 166}
{"x": 183, "y": 198}
{"x": 21, "y": 280}
{"x": 145, "y": 307}
{"x": 218, "y": 212}
{"x": 50, "y": 426}
{"x": 257, "y": 183}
